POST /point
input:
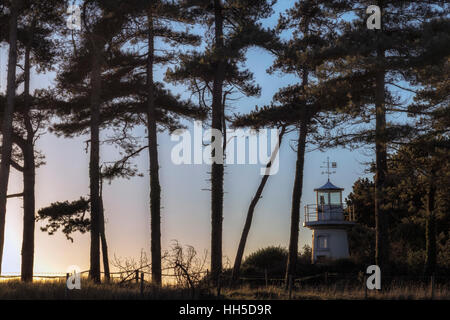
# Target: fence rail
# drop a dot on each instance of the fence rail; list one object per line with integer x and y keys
{"x": 329, "y": 212}
{"x": 343, "y": 276}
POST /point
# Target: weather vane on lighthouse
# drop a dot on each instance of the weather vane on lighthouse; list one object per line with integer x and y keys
{"x": 328, "y": 170}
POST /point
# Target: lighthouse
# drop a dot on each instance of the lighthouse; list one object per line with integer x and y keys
{"x": 329, "y": 221}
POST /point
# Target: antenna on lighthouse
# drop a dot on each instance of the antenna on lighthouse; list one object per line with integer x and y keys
{"x": 328, "y": 170}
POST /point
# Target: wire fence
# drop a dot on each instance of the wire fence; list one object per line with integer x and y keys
{"x": 126, "y": 275}
{"x": 142, "y": 278}
{"x": 224, "y": 277}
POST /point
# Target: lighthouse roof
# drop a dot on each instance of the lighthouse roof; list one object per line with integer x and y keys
{"x": 328, "y": 187}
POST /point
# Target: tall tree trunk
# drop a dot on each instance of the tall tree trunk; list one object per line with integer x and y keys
{"x": 155, "y": 187}
{"x": 381, "y": 245}
{"x": 430, "y": 226}
{"x": 28, "y": 213}
{"x": 217, "y": 169}
{"x": 250, "y": 211}
{"x": 29, "y": 176}
{"x": 103, "y": 240}
{"x": 94, "y": 167}
{"x": 7, "y": 122}
{"x": 296, "y": 199}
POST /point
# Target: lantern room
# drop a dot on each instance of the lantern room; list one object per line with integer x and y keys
{"x": 328, "y": 207}
{"x": 329, "y": 194}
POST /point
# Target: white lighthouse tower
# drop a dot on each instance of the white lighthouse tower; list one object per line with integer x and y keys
{"x": 329, "y": 221}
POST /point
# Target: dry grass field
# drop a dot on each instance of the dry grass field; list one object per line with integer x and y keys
{"x": 332, "y": 292}
{"x": 56, "y": 290}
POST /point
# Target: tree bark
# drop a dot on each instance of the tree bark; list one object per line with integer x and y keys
{"x": 28, "y": 213}
{"x": 94, "y": 167}
{"x": 381, "y": 245}
{"x": 217, "y": 169}
{"x": 296, "y": 199}
{"x": 430, "y": 226}
{"x": 250, "y": 211}
{"x": 103, "y": 241}
{"x": 29, "y": 176}
{"x": 155, "y": 187}
{"x": 7, "y": 122}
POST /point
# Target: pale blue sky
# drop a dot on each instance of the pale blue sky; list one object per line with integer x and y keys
{"x": 185, "y": 207}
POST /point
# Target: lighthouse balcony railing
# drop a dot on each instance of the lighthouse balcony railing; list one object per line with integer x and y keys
{"x": 328, "y": 212}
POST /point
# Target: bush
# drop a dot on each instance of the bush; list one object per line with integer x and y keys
{"x": 273, "y": 259}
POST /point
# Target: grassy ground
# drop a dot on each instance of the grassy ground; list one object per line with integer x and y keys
{"x": 50, "y": 290}
{"x": 411, "y": 292}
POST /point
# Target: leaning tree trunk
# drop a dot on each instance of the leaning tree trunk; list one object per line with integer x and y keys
{"x": 155, "y": 187}
{"x": 381, "y": 245}
{"x": 29, "y": 176}
{"x": 103, "y": 241}
{"x": 7, "y": 122}
{"x": 296, "y": 198}
{"x": 430, "y": 226}
{"x": 94, "y": 166}
{"x": 217, "y": 169}
{"x": 250, "y": 211}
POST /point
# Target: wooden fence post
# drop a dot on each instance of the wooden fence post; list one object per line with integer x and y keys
{"x": 266, "y": 278}
{"x": 290, "y": 286}
{"x": 142, "y": 284}
{"x": 432, "y": 286}
{"x": 218, "y": 286}
{"x": 65, "y": 286}
{"x": 208, "y": 282}
{"x": 137, "y": 276}
{"x": 365, "y": 287}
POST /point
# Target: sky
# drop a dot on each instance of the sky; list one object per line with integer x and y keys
{"x": 185, "y": 209}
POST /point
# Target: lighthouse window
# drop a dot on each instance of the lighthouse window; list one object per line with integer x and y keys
{"x": 323, "y": 198}
{"x": 335, "y": 198}
{"x": 322, "y": 242}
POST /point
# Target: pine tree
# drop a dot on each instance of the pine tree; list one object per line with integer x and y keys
{"x": 383, "y": 59}
{"x": 429, "y": 151}
{"x": 6, "y": 148}
{"x": 40, "y": 20}
{"x": 305, "y": 106}
{"x": 101, "y": 22}
{"x": 159, "y": 17}
{"x": 418, "y": 204}
{"x": 127, "y": 89}
{"x": 215, "y": 75}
